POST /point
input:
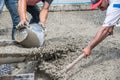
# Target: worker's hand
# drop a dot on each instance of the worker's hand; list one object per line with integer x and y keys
{"x": 86, "y": 51}
{"x": 22, "y": 24}
{"x": 110, "y": 31}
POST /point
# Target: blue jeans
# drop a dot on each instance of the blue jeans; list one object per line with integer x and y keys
{"x": 12, "y": 6}
{"x": 1, "y": 5}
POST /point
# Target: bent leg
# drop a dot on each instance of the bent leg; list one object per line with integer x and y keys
{"x": 34, "y": 11}
{"x": 1, "y": 5}
{"x": 12, "y": 6}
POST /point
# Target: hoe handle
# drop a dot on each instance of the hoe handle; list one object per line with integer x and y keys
{"x": 74, "y": 62}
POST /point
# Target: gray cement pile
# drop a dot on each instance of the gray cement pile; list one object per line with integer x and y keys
{"x": 67, "y": 34}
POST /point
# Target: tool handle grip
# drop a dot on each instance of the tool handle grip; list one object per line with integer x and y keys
{"x": 74, "y": 62}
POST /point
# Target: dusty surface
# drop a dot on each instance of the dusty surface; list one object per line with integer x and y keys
{"x": 68, "y": 33}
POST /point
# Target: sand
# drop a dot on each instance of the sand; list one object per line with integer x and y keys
{"x": 67, "y": 34}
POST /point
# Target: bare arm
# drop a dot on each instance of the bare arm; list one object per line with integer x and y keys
{"x": 99, "y": 37}
{"x": 44, "y": 13}
{"x": 22, "y": 4}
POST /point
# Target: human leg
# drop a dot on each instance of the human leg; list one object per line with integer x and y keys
{"x": 12, "y": 6}
{"x": 34, "y": 11}
{"x": 1, "y": 5}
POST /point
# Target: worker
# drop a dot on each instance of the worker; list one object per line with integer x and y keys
{"x": 32, "y": 7}
{"x": 112, "y": 8}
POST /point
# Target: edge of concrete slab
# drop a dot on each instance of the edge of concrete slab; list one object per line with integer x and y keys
{"x": 65, "y": 7}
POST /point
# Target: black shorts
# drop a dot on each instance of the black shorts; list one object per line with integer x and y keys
{"x": 49, "y": 1}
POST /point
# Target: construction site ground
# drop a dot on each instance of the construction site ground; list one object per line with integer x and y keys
{"x": 68, "y": 32}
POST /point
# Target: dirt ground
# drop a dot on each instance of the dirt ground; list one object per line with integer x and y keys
{"x": 67, "y": 33}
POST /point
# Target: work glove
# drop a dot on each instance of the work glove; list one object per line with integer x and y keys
{"x": 22, "y": 24}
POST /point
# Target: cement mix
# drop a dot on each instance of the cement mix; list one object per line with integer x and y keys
{"x": 67, "y": 33}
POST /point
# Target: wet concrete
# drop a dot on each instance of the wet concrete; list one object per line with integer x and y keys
{"x": 67, "y": 33}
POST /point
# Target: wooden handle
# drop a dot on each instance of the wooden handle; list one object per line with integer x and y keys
{"x": 74, "y": 62}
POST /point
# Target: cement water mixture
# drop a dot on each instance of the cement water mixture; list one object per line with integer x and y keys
{"x": 67, "y": 34}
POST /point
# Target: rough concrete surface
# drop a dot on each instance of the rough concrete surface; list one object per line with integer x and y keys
{"x": 67, "y": 33}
